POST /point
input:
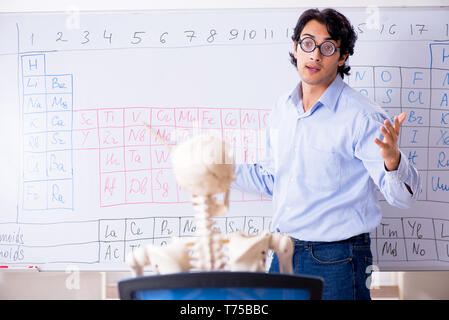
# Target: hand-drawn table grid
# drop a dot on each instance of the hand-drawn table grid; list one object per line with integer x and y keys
{"x": 394, "y": 240}
{"x": 135, "y": 163}
{"x": 118, "y": 237}
{"x": 411, "y": 239}
{"x": 47, "y": 101}
{"x": 422, "y": 93}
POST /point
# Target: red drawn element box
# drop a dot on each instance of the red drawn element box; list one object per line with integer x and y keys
{"x": 164, "y": 186}
{"x": 137, "y": 136}
{"x": 111, "y": 137}
{"x": 109, "y": 118}
{"x": 85, "y": 139}
{"x": 112, "y": 160}
{"x": 183, "y": 134}
{"x": 209, "y": 118}
{"x": 112, "y": 190}
{"x": 160, "y": 157}
{"x": 136, "y": 116}
{"x": 84, "y": 119}
{"x": 162, "y": 117}
{"x": 163, "y": 135}
{"x": 186, "y": 117}
{"x": 249, "y": 119}
{"x": 137, "y": 158}
{"x": 138, "y": 187}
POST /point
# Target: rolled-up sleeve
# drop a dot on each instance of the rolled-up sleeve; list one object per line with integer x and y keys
{"x": 253, "y": 178}
{"x": 399, "y": 195}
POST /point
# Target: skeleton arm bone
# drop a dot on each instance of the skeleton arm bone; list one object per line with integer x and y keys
{"x": 137, "y": 259}
{"x": 171, "y": 258}
{"x": 282, "y": 245}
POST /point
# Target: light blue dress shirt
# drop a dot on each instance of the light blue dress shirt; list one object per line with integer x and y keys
{"x": 323, "y": 167}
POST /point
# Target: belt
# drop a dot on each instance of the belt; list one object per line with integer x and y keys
{"x": 363, "y": 237}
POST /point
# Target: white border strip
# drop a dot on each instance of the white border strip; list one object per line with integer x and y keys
{"x": 120, "y": 5}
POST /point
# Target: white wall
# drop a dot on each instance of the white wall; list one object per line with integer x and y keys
{"x": 63, "y": 5}
{"x": 29, "y": 285}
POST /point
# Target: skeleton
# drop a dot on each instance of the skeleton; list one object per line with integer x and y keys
{"x": 204, "y": 167}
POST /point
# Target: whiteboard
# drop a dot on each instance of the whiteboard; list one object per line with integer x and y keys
{"x": 83, "y": 183}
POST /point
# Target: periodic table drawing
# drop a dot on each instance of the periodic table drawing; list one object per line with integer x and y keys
{"x": 85, "y": 182}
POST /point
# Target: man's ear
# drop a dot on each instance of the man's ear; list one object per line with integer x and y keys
{"x": 295, "y": 52}
{"x": 342, "y": 59}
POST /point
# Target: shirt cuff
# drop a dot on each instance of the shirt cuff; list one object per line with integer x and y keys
{"x": 400, "y": 175}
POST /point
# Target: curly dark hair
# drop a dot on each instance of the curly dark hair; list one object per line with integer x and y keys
{"x": 338, "y": 27}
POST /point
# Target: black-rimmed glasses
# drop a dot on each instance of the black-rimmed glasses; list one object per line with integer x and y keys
{"x": 327, "y": 48}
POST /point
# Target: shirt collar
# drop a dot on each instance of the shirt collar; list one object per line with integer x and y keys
{"x": 328, "y": 98}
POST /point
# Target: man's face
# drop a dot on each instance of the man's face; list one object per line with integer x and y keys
{"x": 314, "y": 68}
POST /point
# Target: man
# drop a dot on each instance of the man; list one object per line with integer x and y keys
{"x": 328, "y": 148}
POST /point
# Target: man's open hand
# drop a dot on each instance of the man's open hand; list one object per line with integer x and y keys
{"x": 389, "y": 149}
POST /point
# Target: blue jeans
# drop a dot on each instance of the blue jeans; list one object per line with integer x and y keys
{"x": 343, "y": 265}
